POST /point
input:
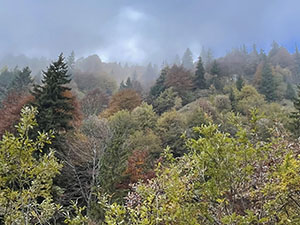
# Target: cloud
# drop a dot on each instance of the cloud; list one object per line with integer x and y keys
{"x": 142, "y": 31}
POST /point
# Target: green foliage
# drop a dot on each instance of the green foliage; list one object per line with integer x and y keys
{"x": 113, "y": 161}
{"x": 267, "y": 84}
{"x": 290, "y": 92}
{"x": 199, "y": 79}
{"x": 171, "y": 126}
{"x": 296, "y": 115}
{"x": 159, "y": 85}
{"x": 165, "y": 101}
{"x": 53, "y": 105}
{"x": 144, "y": 117}
{"x": 222, "y": 103}
{"x": 26, "y": 182}
{"x": 221, "y": 180}
{"x": 239, "y": 83}
{"x": 247, "y": 99}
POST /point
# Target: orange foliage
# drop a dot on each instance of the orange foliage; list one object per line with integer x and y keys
{"x": 179, "y": 78}
{"x": 10, "y": 111}
{"x": 76, "y": 113}
{"x": 138, "y": 167}
{"x": 127, "y": 99}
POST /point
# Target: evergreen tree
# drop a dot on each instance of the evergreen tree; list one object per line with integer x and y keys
{"x": 53, "y": 105}
{"x": 122, "y": 86}
{"x": 267, "y": 85}
{"x": 240, "y": 83}
{"x": 215, "y": 70}
{"x": 290, "y": 92}
{"x": 187, "y": 60}
{"x": 177, "y": 60}
{"x": 71, "y": 61}
{"x": 296, "y": 115}
{"x": 232, "y": 99}
{"x": 297, "y": 64}
{"x": 199, "y": 75}
{"x": 159, "y": 85}
{"x": 128, "y": 83}
{"x": 22, "y": 81}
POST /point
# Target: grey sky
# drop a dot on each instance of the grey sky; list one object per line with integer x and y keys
{"x": 138, "y": 31}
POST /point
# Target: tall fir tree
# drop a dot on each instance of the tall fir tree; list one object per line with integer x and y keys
{"x": 267, "y": 84}
{"x": 200, "y": 81}
{"x": 296, "y": 115}
{"x": 54, "y": 106}
{"x": 297, "y": 65}
{"x": 187, "y": 60}
{"x": 239, "y": 82}
{"x": 22, "y": 81}
{"x": 159, "y": 85}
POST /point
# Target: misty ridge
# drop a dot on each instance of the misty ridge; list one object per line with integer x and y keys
{"x": 131, "y": 112}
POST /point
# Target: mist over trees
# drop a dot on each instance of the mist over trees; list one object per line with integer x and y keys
{"x": 201, "y": 140}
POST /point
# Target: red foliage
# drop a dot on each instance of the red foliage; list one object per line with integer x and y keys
{"x": 127, "y": 99}
{"x": 138, "y": 167}
{"x": 11, "y": 109}
{"x": 179, "y": 78}
{"x": 76, "y": 113}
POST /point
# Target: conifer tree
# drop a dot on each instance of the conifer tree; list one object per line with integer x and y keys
{"x": 267, "y": 85}
{"x": 159, "y": 85}
{"x": 239, "y": 83}
{"x": 290, "y": 92}
{"x": 54, "y": 107}
{"x": 187, "y": 60}
{"x": 199, "y": 75}
{"x": 22, "y": 81}
{"x": 297, "y": 64}
{"x": 296, "y": 115}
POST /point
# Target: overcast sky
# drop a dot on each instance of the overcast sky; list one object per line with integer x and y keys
{"x": 139, "y": 31}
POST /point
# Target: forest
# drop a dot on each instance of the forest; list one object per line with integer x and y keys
{"x": 207, "y": 141}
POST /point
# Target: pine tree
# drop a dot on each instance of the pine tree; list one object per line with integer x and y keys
{"x": 54, "y": 107}
{"x": 215, "y": 70}
{"x": 199, "y": 75}
{"x": 296, "y": 115}
{"x": 128, "y": 83}
{"x": 290, "y": 92}
{"x": 267, "y": 85}
{"x": 159, "y": 85}
{"x": 187, "y": 60}
{"x": 297, "y": 64}
{"x": 239, "y": 83}
{"x": 22, "y": 81}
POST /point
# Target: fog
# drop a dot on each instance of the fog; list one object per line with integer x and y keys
{"x": 137, "y": 31}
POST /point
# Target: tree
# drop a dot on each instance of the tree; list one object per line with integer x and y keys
{"x": 267, "y": 84}
{"x": 187, "y": 60}
{"x": 239, "y": 82}
{"x": 200, "y": 81}
{"x": 296, "y": 115}
{"x": 290, "y": 92}
{"x": 94, "y": 102}
{"x": 181, "y": 80}
{"x": 10, "y": 111}
{"x": 223, "y": 179}
{"x": 22, "y": 81}
{"x": 297, "y": 64}
{"x": 126, "y": 99}
{"x": 25, "y": 181}
{"x": 55, "y": 109}
{"x": 113, "y": 161}
{"x": 159, "y": 85}
{"x": 165, "y": 101}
